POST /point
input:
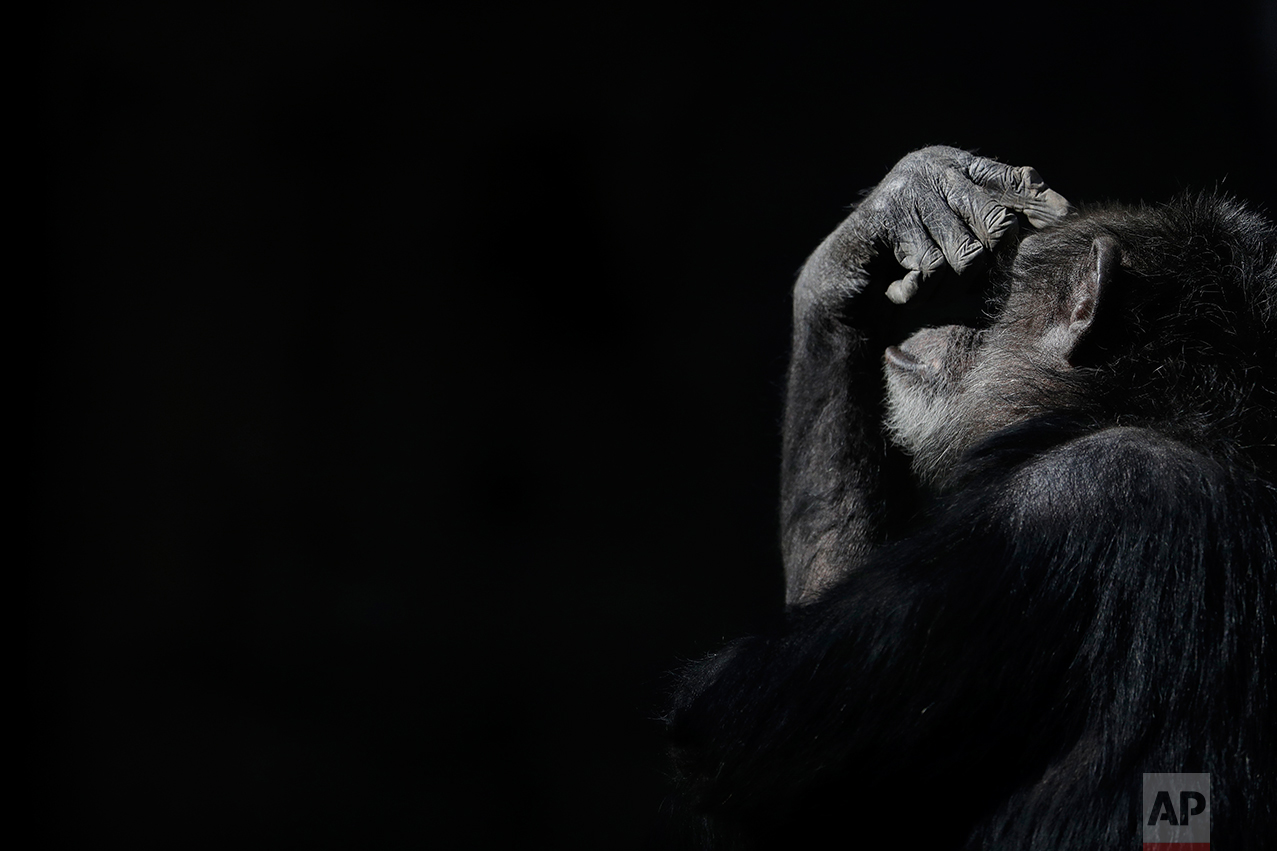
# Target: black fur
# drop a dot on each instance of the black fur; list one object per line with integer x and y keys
{"x": 1090, "y": 593}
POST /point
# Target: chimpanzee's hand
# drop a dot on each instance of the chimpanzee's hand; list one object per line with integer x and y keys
{"x": 943, "y": 205}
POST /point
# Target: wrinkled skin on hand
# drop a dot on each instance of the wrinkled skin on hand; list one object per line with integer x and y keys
{"x": 943, "y": 205}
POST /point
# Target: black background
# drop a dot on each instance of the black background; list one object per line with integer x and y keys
{"x": 410, "y": 383}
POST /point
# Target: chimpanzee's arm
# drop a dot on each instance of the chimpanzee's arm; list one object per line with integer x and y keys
{"x": 938, "y": 206}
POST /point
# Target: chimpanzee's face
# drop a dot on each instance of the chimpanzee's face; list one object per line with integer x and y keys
{"x": 949, "y": 387}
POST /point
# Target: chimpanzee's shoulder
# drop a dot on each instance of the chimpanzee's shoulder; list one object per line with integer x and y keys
{"x": 1134, "y": 473}
{"x": 1129, "y": 451}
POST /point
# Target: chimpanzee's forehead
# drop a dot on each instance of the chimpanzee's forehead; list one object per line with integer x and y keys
{"x": 1033, "y": 246}
{"x": 1048, "y": 250}
{"x": 1016, "y": 261}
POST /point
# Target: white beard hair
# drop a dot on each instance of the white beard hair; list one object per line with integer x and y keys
{"x": 927, "y": 423}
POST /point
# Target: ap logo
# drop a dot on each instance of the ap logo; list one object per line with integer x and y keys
{"x": 1176, "y": 812}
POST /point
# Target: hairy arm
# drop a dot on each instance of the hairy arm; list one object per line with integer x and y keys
{"x": 938, "y": 207}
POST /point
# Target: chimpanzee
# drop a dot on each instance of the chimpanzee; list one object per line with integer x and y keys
{"x": 1041, "y": 563}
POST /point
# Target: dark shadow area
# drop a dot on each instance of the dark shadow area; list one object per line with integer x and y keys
{"x": 410, "y": 384}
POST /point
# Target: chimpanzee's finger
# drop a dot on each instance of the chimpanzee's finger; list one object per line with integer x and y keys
{"x": 917, "y": 252}
{"x": 1020, "y": 188}
{"x": 951, "y": 234}
{"x": 987, "y": 219}
{"x": 902, "y": 290}
{"x": 913, "y": 246}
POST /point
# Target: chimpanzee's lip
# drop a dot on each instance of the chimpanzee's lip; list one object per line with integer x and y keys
{"x": 901, "y": 359}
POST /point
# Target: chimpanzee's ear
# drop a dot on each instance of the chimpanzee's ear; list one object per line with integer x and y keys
{"x": 1083, "y": 299}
